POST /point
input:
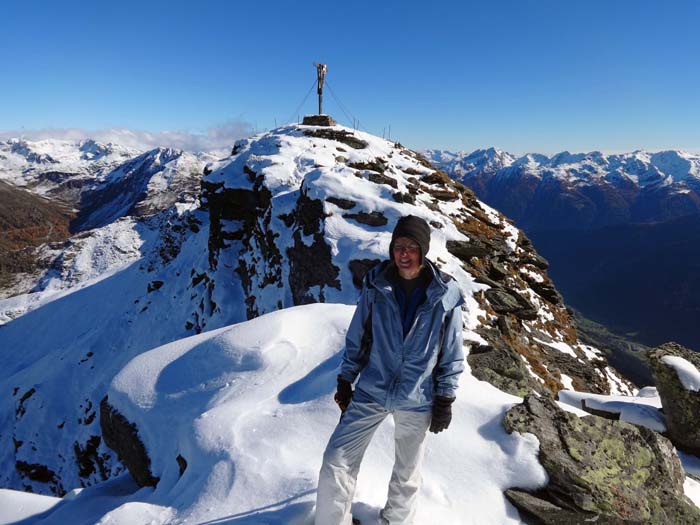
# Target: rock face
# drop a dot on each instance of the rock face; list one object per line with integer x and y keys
{"x": 122, "y": 436}
{"x": 681, "y": 405}
{"x": 599, "y": 470}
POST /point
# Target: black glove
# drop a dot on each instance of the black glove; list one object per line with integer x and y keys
{"x": 442, "y": 413}
{"x": 344, "y": 394}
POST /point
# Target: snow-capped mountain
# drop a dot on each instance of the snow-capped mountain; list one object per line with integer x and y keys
{"x": 59, "y": 168}
{"x": 581, "y": 190}
{"x": 189, "y": 330}
{"x": 462, "y": 165}
{"x": 53, "y": 188}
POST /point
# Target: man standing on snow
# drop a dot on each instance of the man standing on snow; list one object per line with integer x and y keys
{"x": 405, "y": 343}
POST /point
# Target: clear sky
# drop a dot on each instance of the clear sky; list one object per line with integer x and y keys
{"x": 521, "y": 75}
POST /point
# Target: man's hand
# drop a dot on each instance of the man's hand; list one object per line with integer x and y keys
{"x": 442, "y": 413}
{"x": 344, "y": 394}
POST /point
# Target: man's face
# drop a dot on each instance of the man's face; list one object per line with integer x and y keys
{"x": 407, "y": 257}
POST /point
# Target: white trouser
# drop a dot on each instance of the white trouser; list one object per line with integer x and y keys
{"x": 343, "y": 455}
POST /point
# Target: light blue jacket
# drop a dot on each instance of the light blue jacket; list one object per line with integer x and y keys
{"x": 405, "y": 373}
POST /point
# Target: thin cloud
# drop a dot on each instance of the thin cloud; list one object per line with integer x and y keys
{"x": 216, "y": 138}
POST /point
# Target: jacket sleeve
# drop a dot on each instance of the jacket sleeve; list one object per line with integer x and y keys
{"x": 450, "y": 363}
{"x": 352, "y": 362}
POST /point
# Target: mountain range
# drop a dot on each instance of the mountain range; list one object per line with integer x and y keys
{"x": 579, "y": 191}
{"x": 620, "y": 231}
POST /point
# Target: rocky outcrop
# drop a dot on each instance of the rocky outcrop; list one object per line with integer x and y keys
{"x": 681, "y": 405}
{"x": 122, "y": 436}
{"x": 599, "y": 470}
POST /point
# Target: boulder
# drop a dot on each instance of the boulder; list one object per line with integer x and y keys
{"x": 465, "y": 250}
{"x": 599, "y": 470}
{"x": 681, "y": 405}
{"x": 509, "y": 301}
{"x": 122, "y": 436}
{"x": 503, "y": 367}
{"x": 373, "y": 218}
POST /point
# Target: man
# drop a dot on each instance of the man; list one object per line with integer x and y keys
{"x": 405, "y": 343}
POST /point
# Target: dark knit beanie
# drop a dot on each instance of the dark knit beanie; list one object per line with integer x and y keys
{"x": 414, "y": 228}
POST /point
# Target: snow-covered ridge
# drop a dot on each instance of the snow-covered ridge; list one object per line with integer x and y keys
{"x": 291, "y": 218}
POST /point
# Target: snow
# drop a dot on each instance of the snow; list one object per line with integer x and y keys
{"x": 687, "y": 373}
{"x": 16, "y": 506}
{"x": 644, "y": 411}
{"x": 567, "y": 382}
{"x": 561, "y": 346}
{"x": 691, "y": 488}
{"x": 238, "y": 404}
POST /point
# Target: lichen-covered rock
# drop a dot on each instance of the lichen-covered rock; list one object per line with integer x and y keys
{"x": 681, "y": 405}
{"x": 503, "y": 368}
{"x": 603, "y": 471}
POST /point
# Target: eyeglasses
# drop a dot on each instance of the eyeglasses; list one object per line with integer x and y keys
{"x": 408, "y": 248}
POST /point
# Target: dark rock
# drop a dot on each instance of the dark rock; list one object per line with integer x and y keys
{"x": 319, "y": 120}
{"x": 181, "y": 463}
{"x": 437, "y": 177}
{"x": 21, "y": 409}
{"x": 375, "y": 218}
{"x": 482, "y": 279}
{"x": 310, "y": 265}
{"x": 536, "y": 260}
{"x": 40, "y": 473}
{"x": 345, "y": 204}
{"x": 547, "y": 291}
{"x": 503, "y": 367}
{"x": 252, "y": 175}
{"x": 378, "y": 165}
{"x": 546, "y": 512}
{"x": 609, "y": 471}
{"x": 122, "y": 436}
{"x": 378, "y": 178}
{"x": 154, "y": 285}
{"x": 444, "y": 195}
{"x": 89, "y": 460}
{"x": 338, "y": 135}
{"x": 404, "y": 197}
{"x": 359, "y": 268}
{"x": 681, "y": 406}
{"x": 465, "y": 250}
{"x": 505, "y": 301}
{"x": 497, "y": 271}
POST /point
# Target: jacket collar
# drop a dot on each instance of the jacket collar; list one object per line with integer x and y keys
{"x": 437, "y": 290}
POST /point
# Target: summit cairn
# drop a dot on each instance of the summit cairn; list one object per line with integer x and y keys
{"x": 320, "y": 119}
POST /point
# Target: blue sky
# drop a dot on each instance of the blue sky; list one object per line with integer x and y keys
{"x": 613, "y": 75}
